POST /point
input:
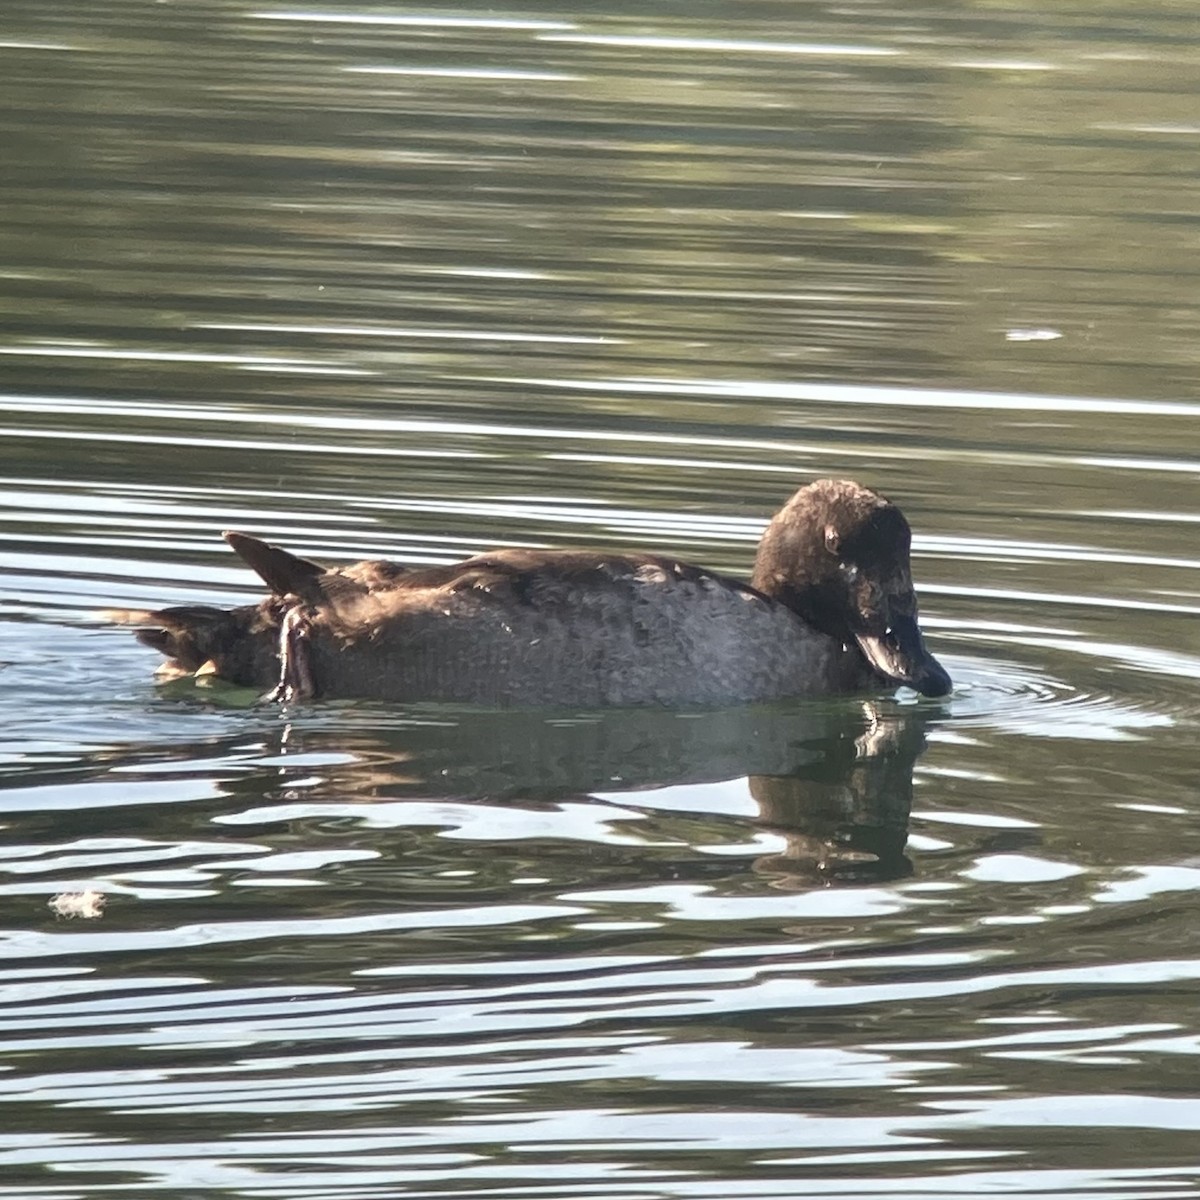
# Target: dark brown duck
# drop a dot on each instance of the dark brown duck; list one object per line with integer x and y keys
{"x": 830, "y": 610}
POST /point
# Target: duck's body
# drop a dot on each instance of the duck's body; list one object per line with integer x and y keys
{"x": 547, "y": 628}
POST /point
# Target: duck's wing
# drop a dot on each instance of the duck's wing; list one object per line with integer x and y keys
{"x": 539, "y": 576}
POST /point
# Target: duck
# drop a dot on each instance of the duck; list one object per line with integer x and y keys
{"x": 829, "y": 610}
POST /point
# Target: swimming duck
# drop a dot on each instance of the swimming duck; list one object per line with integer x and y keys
{"x": 829, "y": 610}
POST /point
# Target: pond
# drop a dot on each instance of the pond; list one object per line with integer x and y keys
{"x": 411, "y": 283}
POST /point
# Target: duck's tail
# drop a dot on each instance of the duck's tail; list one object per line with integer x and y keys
{"x": 253, "y": 645}
{"x": 192, "y": 638}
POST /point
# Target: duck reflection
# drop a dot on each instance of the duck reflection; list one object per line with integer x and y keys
{"x": 833, "y": 781}
{"x": 845, "y": 816}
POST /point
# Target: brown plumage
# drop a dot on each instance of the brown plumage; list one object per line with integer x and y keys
{"x": 831, "y": 610}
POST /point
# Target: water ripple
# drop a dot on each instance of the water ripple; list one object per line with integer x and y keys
{"x": 1009, "y": 697}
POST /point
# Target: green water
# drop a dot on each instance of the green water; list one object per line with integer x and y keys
{"x": 418, "y": 282}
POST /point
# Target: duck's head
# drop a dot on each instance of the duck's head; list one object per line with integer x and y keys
{"x": 838, "y": 555}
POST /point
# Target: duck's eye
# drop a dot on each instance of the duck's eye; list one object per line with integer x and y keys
{"x": 831, "y": 539}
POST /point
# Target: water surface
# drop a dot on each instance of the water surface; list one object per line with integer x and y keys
{"x": 389, "y": 281}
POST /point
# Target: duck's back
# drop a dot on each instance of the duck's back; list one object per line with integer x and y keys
{"x": 564, "y": 628}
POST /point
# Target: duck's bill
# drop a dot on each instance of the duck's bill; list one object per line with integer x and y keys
{"x": 901, "y": 658}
